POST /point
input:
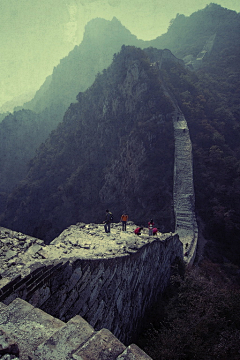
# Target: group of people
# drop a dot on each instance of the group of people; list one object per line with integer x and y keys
{"x": 124, "y": 218}
{"x": 109, "y": 219}
{"x": 151, "y": 229}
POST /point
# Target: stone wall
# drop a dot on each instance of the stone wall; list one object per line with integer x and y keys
{"x": 109, "y": 292}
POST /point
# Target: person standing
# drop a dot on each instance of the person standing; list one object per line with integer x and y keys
{"x": 107, "y": 222}
{"x": 124, "y": 219}
{"x": 150, "y": 227}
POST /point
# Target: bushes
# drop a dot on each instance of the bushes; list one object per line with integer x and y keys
{"x": 200, "y": 320}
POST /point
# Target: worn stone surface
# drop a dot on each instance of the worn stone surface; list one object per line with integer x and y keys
{"x": 183, "y": 187}
{"x": 85, "y": 241}
{"x": 183, "y": 191}
{"x": 65, "y": 341}
{"x": 102, "y": 346}
{"x": 108, "y": 279}
{"x": 133, "y": 352}
{"x": 74, "y": 340}
{"x": 14, "y": 253}
{"x": 27, "y": 326}
{"x": 7, "y": 345}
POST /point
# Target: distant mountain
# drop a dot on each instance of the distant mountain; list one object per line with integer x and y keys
{"x": 77, "y": 71}
{"x": 187, "y": 35}
{"x": 12, "y": 104}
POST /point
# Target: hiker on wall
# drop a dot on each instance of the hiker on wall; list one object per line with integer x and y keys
{"x": 107, "y": 222}
{"x": 124, "y": 219}
{"x": 138, "y": 230}
{"x": 150, "y": 227}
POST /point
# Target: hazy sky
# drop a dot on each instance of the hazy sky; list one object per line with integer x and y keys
{"x": 36, "y": 34}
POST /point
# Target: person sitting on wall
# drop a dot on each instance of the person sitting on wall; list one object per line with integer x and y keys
{"x": 124, "y": 219}
{"x": 138, "y": 230}
{"x": 155, "y": 230}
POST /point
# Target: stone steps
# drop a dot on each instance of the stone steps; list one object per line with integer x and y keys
{"x": 66, "y": 340}
{"x": 27, "y": 326}
{"x": 40, "y": 336}
{"x": 183, "y": 192}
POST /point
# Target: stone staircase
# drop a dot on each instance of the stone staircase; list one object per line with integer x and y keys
{"x": 39, "y": 336}
{"x": 183, "y": 191}
{"x": 183, "y": 186}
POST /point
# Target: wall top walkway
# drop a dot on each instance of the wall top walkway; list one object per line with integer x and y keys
{"x": 20, "y": 254}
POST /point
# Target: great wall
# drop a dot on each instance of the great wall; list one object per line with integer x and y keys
{"x": 84, "y": 295}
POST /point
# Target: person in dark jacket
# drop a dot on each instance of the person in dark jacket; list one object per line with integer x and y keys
{"x": 107, "y": 222}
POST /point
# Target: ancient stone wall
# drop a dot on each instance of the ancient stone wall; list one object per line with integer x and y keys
{"x": 112, "y": 293}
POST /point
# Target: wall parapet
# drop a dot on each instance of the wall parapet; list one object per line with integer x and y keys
{"x": 110, "y": 292}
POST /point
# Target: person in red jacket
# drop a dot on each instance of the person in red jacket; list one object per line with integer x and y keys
{"x": 150, "y": 227}
{"x": 124, "y": 219}
{"x": 138, "y": 230}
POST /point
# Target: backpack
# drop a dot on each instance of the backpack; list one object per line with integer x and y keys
{"x": 111, "y": 216}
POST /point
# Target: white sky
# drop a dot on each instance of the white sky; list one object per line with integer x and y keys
{"x": 35, "y": 35}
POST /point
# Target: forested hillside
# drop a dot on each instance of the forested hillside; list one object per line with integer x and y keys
{"x": 114, "y": 149}
{"x": 186, "y": 37}
{"x": 208, "y": 97}
{"x": 187, "y": 34}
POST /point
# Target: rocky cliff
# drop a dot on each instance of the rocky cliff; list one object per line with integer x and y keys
{"x": 20, "y": 135}
{"x": 114, "y": 149}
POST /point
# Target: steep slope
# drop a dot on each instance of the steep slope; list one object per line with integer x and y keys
{"x": 113, "y": 149}
{"x": 21, "y": 133}
{"x": 19, "y": 136}
{"x": 75, "y": 73}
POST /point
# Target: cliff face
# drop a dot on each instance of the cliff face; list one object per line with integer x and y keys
{"x": 76, "y": 72}
{"x": 113, "y": 149}
{"x": 19, "y": 137}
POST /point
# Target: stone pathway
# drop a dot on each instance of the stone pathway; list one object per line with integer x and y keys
{"x": 183, "y": 186}
{"x": 18, "y": 252}
{"x": 183, "y": 191}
